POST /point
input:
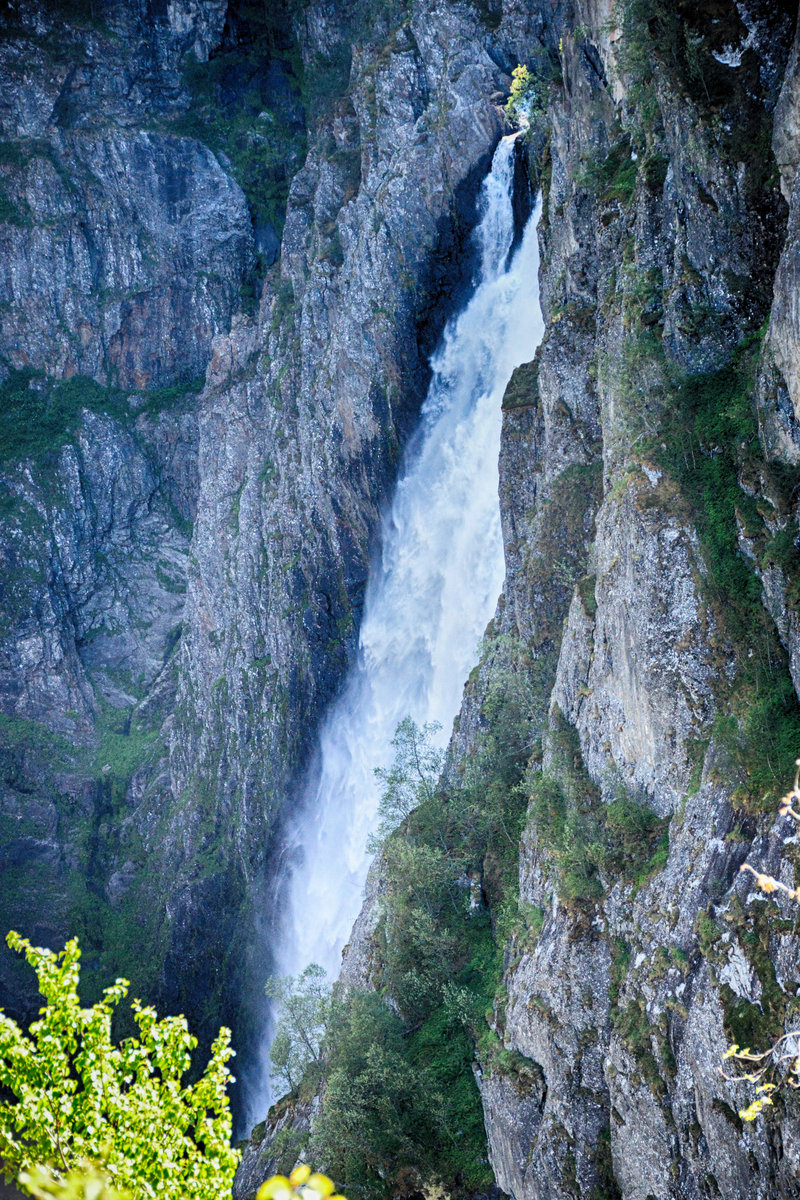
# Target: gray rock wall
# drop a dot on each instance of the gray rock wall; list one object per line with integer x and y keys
{"x": 627, "y": 1000}
{"x": 183, "y": 571}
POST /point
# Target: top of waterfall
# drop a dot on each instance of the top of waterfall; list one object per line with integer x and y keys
{"x": 495, "y": 231}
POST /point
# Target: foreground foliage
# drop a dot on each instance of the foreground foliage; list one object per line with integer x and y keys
{"x": 778, "y": 1067}
{"x": 302, "y": 1184}
{"x": 70, "y": 1097}
{"x": 83, "y": 1182}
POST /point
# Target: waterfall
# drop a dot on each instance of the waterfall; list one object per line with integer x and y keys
{"x": 434, "y": 589}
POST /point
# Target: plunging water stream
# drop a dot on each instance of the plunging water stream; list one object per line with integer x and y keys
{"x": 432, "y": 593}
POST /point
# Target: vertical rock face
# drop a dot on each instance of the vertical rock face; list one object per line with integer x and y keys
{"x": 124, "y": 247}
{"x": 661, "y": 236}
{"x": 125, "y": 244}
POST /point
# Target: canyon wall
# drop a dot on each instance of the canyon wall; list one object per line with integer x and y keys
{"x": 200, "y": 435}
{"x": 649, "y": 502}
{"x": 662, "y": 397}
{"x": 231, "y": 242}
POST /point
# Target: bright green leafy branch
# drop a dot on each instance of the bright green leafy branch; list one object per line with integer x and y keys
{"x": 70, "y": 1097}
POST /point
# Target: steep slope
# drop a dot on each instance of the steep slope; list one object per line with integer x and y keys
{"x": 185, "y": 569}
{"x": 648, "y": 495}
{"x": 124, "y": 247}
{"x": 671, "y": 687}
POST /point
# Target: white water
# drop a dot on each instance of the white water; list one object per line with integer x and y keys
{"x": 432, "y": 594}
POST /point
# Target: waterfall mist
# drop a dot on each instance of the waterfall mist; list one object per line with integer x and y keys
{"x": 433, "y": 590}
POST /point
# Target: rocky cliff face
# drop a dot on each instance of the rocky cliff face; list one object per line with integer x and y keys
{"x": 124, "y": 248}
{"x": 648, "y": 494}
{"x": 185, "y": 571}
{"x": 196, "y": 438}
{"x": 662, "y": 235}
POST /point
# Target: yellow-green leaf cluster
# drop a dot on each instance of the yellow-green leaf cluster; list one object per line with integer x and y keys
{"x": 302, "y": 1184}
{"x": 522, "y": 96}
{"x": 71, "y": 1097}
{"x": 84, "y": 1182}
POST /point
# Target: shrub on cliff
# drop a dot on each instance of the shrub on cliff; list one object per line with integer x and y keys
{"x": 297, "y": 1047}
{"x": 70, "y": 1098}
{"x": 522, "y": 98}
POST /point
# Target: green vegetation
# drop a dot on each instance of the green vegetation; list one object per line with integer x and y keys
{"x": 586, "y": 591}
{"x": 247, "y": 106}
{"x": 590, "y": 843}
{"x": 655, "y": 168}
{"x": 401, "y": 1101}
{"x": 490, "y": 13}
{"x": 125, "y": 744}
{"x": 305, "y": 1010}
{"x": 156, "y": 400}
{"x": 522, "y": 98}
{"x": 20, "y": 736}
{"x": 11, "y": 154}
{"x": 681, "y": 39}
{"x": 10, "y": 211}
{"x": 39, "y": 414}
{"x": 532, "y": 85}
{"x": 774, "y": 1070}
{"x": 634, "y": 1028}
{"x": 388, "y": 1114}
{"x": 240, "y": 110}
{"x": 522, "y": 390}
{"x": 441, "y": 965}
{"x": 749, "y": 1024}
{"x": 612, "y": 177}
{"x": 683, "y": 36}
{"x": 708, "y": 442}
{"x": 44, "y": 769}
{"x": 70, "y": 1096}
{"x": 325, "y": 81}
{"x": 82, "y": 12}
{"x": 401, "y": 1104}
{"x": 701, "y": 426}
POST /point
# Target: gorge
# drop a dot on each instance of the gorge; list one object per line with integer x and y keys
{"x": 233, "y": 236}
{"x": 435, "y": 588}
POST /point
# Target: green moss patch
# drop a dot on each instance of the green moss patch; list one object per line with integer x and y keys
{"x": 522, "y": 390}
{"x": 611, "y": 176}
{"x": 590, "y": 843}
{"x": 40, "y": 414}
{"x": 710, "y": 439}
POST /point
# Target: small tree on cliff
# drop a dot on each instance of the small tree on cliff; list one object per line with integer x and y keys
{"x": 522, "y": 98}
{"x": 305, "y": 1005}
